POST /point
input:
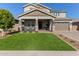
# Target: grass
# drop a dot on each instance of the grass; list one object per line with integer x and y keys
{"x": 34, "y": 41}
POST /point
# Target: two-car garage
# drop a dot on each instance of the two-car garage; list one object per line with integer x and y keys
{"x": 61, "y": 26}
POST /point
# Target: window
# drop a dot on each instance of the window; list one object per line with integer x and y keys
{"x": 55, "y": 14}
{"x": 58, "y": 14}
{"x": 30, "y": 23}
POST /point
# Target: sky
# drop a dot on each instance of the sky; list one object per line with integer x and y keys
{"x": 72, "y": 9}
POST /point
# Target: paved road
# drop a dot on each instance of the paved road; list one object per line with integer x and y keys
{"x": 39, "y": 53}
{"x": 71, "y": 34}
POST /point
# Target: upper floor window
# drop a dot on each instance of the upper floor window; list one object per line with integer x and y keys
{"x": 57, "y": 14}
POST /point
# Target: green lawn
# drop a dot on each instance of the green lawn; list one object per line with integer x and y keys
{"x": 34, "y": 41}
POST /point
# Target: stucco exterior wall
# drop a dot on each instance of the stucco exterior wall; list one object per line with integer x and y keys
{"x": 36, "y": 13}
{"x": 28, "y": 8}
{"x": 15, "y": 27}
{"x": 38, "y": 8}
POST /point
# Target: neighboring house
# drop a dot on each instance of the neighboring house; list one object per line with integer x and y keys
{"x": 75, "y": 25}
{"x": 39, "y": 17}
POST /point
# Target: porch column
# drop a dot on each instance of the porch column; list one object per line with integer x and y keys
{"x": 36, "y": 24}
{"x": 50, "y": 26}
{"x": 70, "y": 26}
{"x": 20, "y": 27}
{"x": 53, "y": 25}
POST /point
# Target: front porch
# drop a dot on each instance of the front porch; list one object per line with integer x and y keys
{"x": 36, "y": 25}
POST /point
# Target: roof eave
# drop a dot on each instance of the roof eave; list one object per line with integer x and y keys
{"x": 37, "y": 10}
{"x": 38, "y": 4}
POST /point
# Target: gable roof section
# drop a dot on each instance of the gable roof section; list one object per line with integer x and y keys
{"x": 33, "y": 11}
{"x": 51, "y": 10}
{"x": 37, "y": 4}
{"x": 62, "y": 19}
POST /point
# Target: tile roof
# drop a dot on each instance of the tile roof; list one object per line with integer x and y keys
{"x": 62, "y": 19}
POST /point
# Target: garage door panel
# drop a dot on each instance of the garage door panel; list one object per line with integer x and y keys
{"x": 61, "y": 26}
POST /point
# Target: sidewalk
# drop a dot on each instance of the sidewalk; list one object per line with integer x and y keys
{"x": 39, "y": 53}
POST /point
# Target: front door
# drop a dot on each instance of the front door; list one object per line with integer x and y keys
{"x": 40, "y": 25}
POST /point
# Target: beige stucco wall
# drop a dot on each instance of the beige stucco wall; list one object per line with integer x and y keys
{"x": 15, "y": 27}
{"x": 38, "y": 8}
{"x": 36, "y": 13}
{"x": 28, "y": 8}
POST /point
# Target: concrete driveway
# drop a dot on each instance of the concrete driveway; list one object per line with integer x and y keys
{"x": 70, "y": 34}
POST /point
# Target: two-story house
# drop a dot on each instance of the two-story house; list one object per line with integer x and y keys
{"x": 39, "y": 17}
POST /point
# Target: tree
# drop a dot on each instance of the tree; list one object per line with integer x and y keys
{"x": 6, "y": 20}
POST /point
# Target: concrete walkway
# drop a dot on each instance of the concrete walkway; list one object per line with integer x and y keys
{"x": 39, "y": 53}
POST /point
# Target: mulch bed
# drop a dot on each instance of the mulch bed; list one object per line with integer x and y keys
{"x": 71, "y": 41}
